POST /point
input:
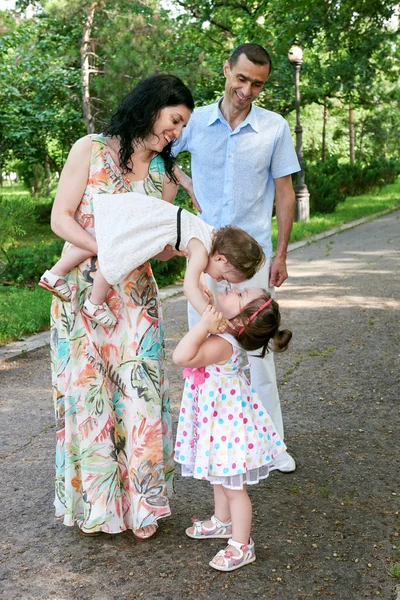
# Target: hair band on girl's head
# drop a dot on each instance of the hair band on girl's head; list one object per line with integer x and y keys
{"x": 253, "y": 316}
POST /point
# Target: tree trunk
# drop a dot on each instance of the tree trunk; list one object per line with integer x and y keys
{"x": 351, "y": 134}
{"x": 325, "y": 120}
{"x": 48, "y": 175}
{"x": 85, "y": 66}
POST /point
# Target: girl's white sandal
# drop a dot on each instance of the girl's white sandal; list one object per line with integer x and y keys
{"x": 106, "y": 317}
{"x": 232, "y": 562}
{"x": 48, "y": 281}
{"x": 201, "y": 532}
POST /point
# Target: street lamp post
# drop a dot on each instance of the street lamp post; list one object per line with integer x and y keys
{"x": 302, "y": 207}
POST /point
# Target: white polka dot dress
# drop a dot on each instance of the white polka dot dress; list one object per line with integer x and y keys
{"x": 224, "y": 433}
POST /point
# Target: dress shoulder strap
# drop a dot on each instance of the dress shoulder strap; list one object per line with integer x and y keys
{"x": 98, "y": 138}
{"x": 229, "y": 338}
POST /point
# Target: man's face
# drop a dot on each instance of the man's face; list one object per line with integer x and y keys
{"x": 244, "y": 82}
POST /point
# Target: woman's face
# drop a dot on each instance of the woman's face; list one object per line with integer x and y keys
{"x": 232, "y": 302}
{"x": 168, "y": 126}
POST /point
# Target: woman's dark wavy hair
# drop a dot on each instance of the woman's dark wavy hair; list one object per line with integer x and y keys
{"x": 264, "y": 328}
{"x": 138, "y": 111}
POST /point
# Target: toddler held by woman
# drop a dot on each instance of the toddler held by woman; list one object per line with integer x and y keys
{"x": 131, "y": 228}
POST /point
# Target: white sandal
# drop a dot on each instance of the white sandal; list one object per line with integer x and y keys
{"x": 48, "y": 281}
{"x": 231, "y": 561}
{"x": 217, "y": 530}
{"x": 106, "y": 317}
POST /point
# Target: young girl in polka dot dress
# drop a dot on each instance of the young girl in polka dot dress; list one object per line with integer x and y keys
{"x": 224, "y": 433}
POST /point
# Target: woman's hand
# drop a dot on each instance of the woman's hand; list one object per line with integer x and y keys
{"x": 168, "y": 253}
{"x": 211, "y": 319}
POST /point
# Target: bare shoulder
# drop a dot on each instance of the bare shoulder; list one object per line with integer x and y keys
{"x": 222, "y": 348}
{"x": 79, "y": 155}
{"x": 196, "y": 246}
{"x": 82, "y": 146}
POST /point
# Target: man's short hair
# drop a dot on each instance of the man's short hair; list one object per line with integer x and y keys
{"x": 254, "y": 52}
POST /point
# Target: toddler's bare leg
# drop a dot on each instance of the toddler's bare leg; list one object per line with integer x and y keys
{"x": 221, "y": 504}
{"x": 54, "y": 281}
{"x": 72, "y": 258}
{"x": 100, "y": 288}
{"x": 241, "y": 513}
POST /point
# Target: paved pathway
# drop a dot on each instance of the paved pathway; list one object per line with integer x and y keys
{"x": 329, "y": 530}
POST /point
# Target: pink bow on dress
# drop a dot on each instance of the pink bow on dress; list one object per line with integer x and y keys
{"x": 199, "y": 374}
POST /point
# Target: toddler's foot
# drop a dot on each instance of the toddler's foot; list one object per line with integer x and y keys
{"x": 99, "y": 313}
{"x": 210, "y": 529}
{"x": 234, "y": 556}
{"x": 57, "y": 285}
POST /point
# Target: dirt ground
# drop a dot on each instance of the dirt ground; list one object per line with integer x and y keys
{"x": 328, "y": 530}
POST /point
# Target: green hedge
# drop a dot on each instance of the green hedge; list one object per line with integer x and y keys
{"x": 329, "y": 182}
{"x": 28, "y": 263}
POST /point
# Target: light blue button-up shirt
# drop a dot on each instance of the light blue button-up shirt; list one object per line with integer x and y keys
{"x": 233, "y": 171}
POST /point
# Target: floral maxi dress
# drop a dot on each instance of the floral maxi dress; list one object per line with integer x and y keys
{"x": 114, "y": 466}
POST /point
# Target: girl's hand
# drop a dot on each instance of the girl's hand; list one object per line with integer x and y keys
{"x": 212, "y": 319}
{"x": 226, "y": 326}
{"x": 209, "y": 296}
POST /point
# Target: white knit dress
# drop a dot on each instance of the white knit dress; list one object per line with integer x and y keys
{"x": 131, "y": 228}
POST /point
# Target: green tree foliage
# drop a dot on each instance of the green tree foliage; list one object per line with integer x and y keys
{"x": 15, "y": 214}
{"x": 350, "y": 59}
{"x": 349, "y": 48}
{"x": 39, "y": 97}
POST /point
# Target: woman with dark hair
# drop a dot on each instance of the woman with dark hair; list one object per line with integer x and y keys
{"x": 114, "y": 464}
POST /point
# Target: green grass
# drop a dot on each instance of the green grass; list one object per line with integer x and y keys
{"x": 353, "y": 208}
{"x": 18, "y": 189}
{"x": 24, "y": 311}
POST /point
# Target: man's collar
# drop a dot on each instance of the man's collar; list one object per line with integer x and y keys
{"x": 216, "y": 113}
{"x": 251, "y": 118}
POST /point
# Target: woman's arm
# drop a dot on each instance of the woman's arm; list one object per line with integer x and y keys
{"x": 196, "y": 349}
{"x": 198, "y": 259}
{"x": 169, "y": 190}
{"x": 71, "y": 187}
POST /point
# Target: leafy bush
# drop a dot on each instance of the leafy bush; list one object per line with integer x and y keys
{"x": 16, "y": 212}
{"x": 324, "y": 184}
{"x": 330, "y": 182}
{"x": 27, "y": 264}
{"x": 168, "y": 272}
{"x": 43, "y": 212}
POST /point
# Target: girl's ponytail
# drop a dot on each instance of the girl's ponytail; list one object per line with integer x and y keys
{"x": 281, "y": 340}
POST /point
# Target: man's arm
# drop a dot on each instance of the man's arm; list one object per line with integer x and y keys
{"x": 284, "y": 202}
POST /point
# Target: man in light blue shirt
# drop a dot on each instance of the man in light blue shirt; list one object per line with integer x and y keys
{"x": 242, "y": 158}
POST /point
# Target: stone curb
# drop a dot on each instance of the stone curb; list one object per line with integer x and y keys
{"x": 39, "y": 340}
